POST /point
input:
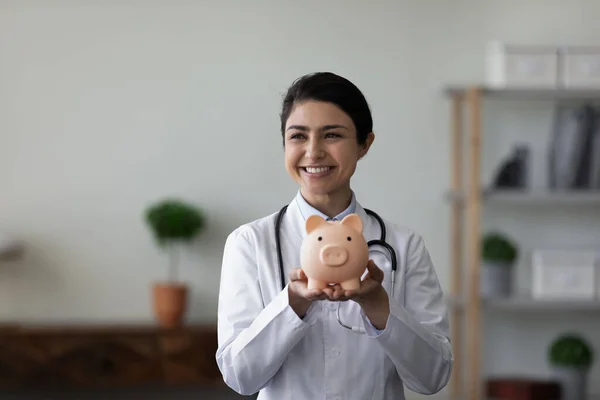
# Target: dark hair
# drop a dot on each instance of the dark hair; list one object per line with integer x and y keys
{"x": 331, "y": 88}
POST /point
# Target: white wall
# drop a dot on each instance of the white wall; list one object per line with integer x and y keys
{"x": 106, "y": 106}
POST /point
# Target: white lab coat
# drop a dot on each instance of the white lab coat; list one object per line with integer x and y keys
{"x": 264, "y": 346}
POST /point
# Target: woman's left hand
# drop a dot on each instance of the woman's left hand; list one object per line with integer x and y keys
{"x": 371, "y": 296}
{"x": 370, "y": 291}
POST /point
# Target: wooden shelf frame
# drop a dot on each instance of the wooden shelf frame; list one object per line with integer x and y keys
{"x": 469, "y": 208}
{"x": 534, "y": 198}
{"x": 524, "y": 304}
{"x": 466, "y": 198}
{"x": 544, "y": 94}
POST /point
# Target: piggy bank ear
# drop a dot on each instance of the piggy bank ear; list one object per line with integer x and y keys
{"x": 313, "y": 222}
{"x": 354, "y": 222}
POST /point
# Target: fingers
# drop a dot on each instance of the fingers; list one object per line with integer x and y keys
{"x": 299, "y": 287}
{"x": 315, "y": 294}
{"x": 299, "y": 281}
{"x": 296, "y": 274}
{"x": 338, "y": 294}
{"x": 328, "y": 291}
{"x": 374, "y": 271}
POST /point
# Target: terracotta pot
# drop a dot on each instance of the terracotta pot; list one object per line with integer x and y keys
{"x": 169, "y": 302}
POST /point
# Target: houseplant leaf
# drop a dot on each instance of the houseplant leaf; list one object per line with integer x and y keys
{"x": 173, "y": 222}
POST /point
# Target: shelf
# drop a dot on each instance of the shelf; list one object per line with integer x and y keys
{"x": 535, "y": 198}
{"x": 467, "y": 223}
{"x": 525, "y": 303}
{"x": 528, "y": 93}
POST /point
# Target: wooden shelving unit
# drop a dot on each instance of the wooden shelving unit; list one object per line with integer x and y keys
{"x": 466, "y": 199}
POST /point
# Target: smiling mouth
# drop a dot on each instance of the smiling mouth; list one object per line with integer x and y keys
{"x": 316, "y": 170}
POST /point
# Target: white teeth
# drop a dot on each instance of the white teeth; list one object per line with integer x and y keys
{"x": 317, "y": 170}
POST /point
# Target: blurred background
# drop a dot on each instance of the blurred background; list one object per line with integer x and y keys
{"x": 109, "y": 108}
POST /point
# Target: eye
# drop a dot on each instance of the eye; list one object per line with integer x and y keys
{"x": 297, "y": 136}
{"x": 349, "y": 238}
{"x": 332, "y": 135}
{"x": 320, "y": 238}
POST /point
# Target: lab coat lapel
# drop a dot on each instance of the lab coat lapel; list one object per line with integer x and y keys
{"x": 296, "y": 221}
{"x": 372, "y": 231}
{"x": 292, "y": 232}
{"x": 370, "y": 226}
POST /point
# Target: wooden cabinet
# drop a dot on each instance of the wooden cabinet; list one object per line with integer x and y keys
{"x": 189, "y": 358}
{"x": 105, "y": 357}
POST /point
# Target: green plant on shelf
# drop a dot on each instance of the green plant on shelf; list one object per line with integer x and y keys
{"x": 174, "y": 222}
{"x": 570, "y": 350}
{"x": 498, "y": 248}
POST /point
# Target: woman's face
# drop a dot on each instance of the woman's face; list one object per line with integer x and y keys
{"x": 321, "y": 150}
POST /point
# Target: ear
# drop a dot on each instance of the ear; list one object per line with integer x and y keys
{"x": 354, "y": 222}
{"x": 366, "y": 146}
{"x": 313, "y": 222}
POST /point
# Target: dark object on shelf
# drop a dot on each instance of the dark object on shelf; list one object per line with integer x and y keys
{"x": 513, "y": 172}
{"x": 522, "y": 389}
{"x": 106, "y": 357}
{"x": 570, "y": 160}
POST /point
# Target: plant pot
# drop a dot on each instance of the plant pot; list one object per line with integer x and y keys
{"x": 169, "y": 303}
{"x": 495, "y": 279}
{"x": 573, "y": 381}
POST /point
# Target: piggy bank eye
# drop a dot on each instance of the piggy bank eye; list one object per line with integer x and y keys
{"x": 320, "y": 238}
{"x": 349, "y": 238}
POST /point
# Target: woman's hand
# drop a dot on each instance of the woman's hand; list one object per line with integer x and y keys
{"x": 300, "y": 296}
{"x": 370, "y": 287}
{"x": 371, "y": 296}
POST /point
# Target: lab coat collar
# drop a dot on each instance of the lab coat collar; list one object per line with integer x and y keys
{"x": 298, "y": 215}
{"x": 306, "y": 210}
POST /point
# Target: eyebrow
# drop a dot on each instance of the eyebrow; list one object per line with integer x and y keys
{"x": 305, "y": 128}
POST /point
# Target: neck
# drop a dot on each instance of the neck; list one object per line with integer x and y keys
{"x": 330, "y": 204}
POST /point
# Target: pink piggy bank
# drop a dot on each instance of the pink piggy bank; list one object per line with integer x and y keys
{"x": 334, "y": 252}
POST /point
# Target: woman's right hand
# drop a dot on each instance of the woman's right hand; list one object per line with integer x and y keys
{"x": 300, "y": 296}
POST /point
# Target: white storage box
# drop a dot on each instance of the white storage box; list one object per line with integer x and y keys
{"x": 520, "y": 66}
{"x": 579, "y": 67}
{"x": 562, "y": 274}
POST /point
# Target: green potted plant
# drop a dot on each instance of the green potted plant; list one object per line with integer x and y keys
{"x": 499, "y": 254}
{"x": 173, "y": 223}
{"x": 571, "y": 357}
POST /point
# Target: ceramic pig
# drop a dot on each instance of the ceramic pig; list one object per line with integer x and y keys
{"x": 334, "y": 252}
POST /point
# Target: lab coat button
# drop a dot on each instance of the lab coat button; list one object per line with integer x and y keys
{"x": 332, "y": 306}
{"x": 334, "y": 353}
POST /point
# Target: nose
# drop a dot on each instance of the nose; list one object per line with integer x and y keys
{"x": 315, "y": 149}
{"x": 333, "y": 256}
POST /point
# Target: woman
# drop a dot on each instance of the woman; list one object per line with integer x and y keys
{"x": 286, "y": 342}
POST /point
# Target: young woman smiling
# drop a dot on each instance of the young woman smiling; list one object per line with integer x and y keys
{"x": 285, "y": 341}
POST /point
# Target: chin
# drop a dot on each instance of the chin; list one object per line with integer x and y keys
{"x": 317, "y": 190}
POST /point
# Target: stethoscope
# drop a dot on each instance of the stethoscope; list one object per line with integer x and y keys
{"x": 381, "y": 242}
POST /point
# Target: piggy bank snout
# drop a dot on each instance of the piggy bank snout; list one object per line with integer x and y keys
{"x": 333, "y": 255}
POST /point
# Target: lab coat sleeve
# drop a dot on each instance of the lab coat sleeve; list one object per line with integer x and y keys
{"x": 416, "y": 334}
{"x": 253, "y": 338}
